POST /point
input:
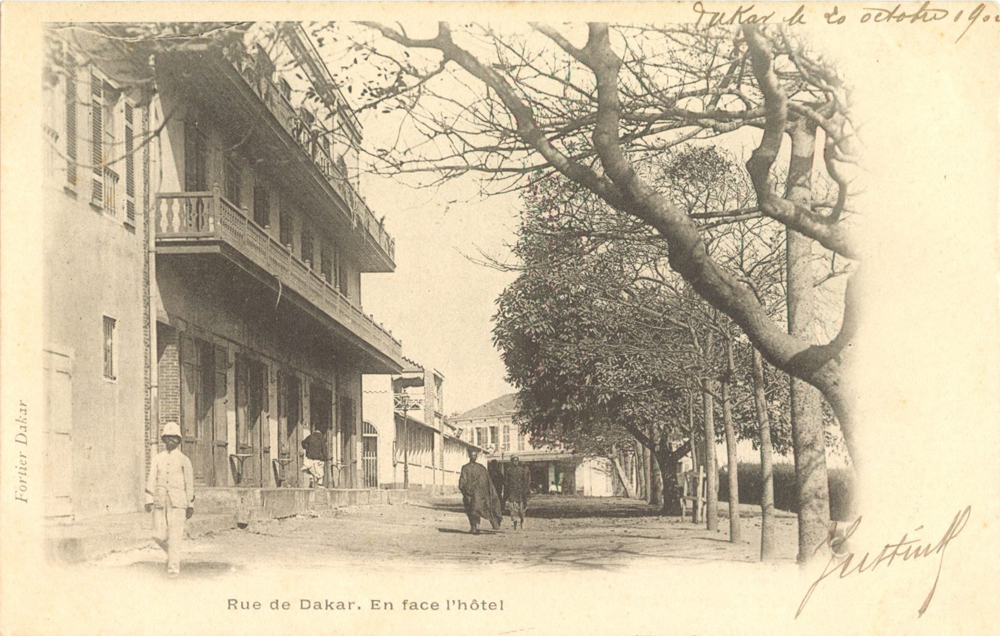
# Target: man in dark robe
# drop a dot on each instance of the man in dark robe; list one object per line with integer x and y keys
{"x": 517, "y": 489}
{"x": 478, "y": 495}
{"x": 495, "y": 469}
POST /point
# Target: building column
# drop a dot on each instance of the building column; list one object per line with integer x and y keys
{"x": 230, "y": 402}
{"x": 272, "y": 421}
{"x": 169, "y": 371}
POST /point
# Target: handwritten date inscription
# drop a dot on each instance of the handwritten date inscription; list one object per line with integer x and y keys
{"x": 906, "y": 549}
{"x": 722, "y": 14}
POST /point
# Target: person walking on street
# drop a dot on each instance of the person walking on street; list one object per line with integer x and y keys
{"x": 314, "y": 445}
{"x": 478, "y": 495}
{"x": 170, "y": 495}
{"x": 495, "y": 470}
{"x": 518, "y": 490}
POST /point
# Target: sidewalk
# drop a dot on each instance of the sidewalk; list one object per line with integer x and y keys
{"x": 94, "y": 538}
{"x": 216, "y": 509}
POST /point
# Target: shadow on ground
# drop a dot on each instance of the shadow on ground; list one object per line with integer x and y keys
{"x": 199, "y": 569}
{"x": 569, "y": 507}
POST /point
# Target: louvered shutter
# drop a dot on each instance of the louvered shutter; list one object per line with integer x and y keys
{"x": 129, "y": 167}
{"x": 145, "y": 161}
{"x": 97, "y": 137}
{"x": 70, "y": 120}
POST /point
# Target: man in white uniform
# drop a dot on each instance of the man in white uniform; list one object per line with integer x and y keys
{"x": 170, "y": 495}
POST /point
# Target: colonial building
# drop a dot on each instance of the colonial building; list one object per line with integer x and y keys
{"x": 553, "y": 469}
{"x": 416, "y": 448}
{"x": 205, "y": 236}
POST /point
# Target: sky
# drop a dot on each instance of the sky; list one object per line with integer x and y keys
{"x": 438, "y": 301}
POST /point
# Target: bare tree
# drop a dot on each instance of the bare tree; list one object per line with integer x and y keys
{"x": 640, "y": 91}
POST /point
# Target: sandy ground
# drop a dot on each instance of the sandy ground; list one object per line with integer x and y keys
{"x": 563, "y": 533}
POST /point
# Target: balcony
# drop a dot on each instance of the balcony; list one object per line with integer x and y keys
{"x": 187, "y": 219}
{"x": 307, "y": 138}
{"x": 235, "y": 89}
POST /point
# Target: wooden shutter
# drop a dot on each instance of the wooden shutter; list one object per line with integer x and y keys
{"x": 145, "y": 160}
{"x": 196, "y": 159}
{"x": 109, "y": 348}
{"x": 97, "y": 137}
{"x": 325, "y": 265}
{"x": 129, "y": 167}
{"x": 261, "y": 205}
{"x": 70, "y": 120}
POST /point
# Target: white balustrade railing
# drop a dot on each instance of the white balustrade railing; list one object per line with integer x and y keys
{"x": 283, "y": 111}
{"x": 207, "y": 215}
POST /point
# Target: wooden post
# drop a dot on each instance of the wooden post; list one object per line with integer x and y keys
{"x": 696, "y": 516}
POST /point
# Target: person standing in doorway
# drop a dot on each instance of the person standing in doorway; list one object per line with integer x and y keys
{"x": 518, "y": 489}
{"x": 478, "y": 495}
{"x": 170, "y": 495}
{"x": 314, "y": 445}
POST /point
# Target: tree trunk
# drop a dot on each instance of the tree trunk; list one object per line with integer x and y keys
{"x": 642, "y": 465}
{"x": 696, "y": 451}
{"x": 667, "y": 461}
{"x": 642, "y": 490}
{"x": 656, "y": 481}
{"x": 622, "y": 475}
{"x": 807, "y": 415}
{"x": 732, "y": 459}
{"x": 647, "y": 473}
{"x": 711, "y": 467}
{"x": 767, "y": 538}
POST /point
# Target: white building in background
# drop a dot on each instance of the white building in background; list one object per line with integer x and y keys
{"x": 553, "y": 470}
{"x": 407, "y": 443}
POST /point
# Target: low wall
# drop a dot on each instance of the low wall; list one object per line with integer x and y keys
{"x": 425, "y": 489}
{"x": 249, "y": 504}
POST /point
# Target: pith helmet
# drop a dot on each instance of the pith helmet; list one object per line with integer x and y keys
{"x": 171, "y": 429}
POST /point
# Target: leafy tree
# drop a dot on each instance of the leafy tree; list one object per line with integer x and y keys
{"x": 595, "y": 103}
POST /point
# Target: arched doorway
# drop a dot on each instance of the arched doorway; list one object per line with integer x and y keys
{"x": 369, "y": 454}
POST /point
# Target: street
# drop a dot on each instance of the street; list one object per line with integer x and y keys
{"x": 562, "y": 533}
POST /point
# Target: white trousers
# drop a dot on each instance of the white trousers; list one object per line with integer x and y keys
{"x": 168, "y": 532}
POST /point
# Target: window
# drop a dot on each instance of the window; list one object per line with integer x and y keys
{"x": 234, "y": 180}
{"x": 261, "y": 204}
{"x": 285, "y": 229}
{"x": 195, "y": 158}
{"x": 285, "y": 88}
{"x": 520, "y": 441}
{"x": 307, "y": 248}
{"x": 493, "y": 435}
{"x": 506, "y": 438}
{"x": 110, "y": 337}
{"x": 325, "y": 266}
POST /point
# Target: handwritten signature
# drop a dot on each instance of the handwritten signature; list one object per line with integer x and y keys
{"x": 906, "y": 549}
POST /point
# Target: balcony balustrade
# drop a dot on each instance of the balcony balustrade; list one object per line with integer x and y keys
{"x": 110, "y": 191}
{"x": 207, "y": 216}
{"x": 306, "y": 136}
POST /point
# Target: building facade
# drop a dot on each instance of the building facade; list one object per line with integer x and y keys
{"x": 205, "y": 238}
{"x": 553, "y": 470}
{"x": 416, "y": 449}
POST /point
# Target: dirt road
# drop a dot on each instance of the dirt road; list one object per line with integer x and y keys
{"x": 562, "y": 533}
